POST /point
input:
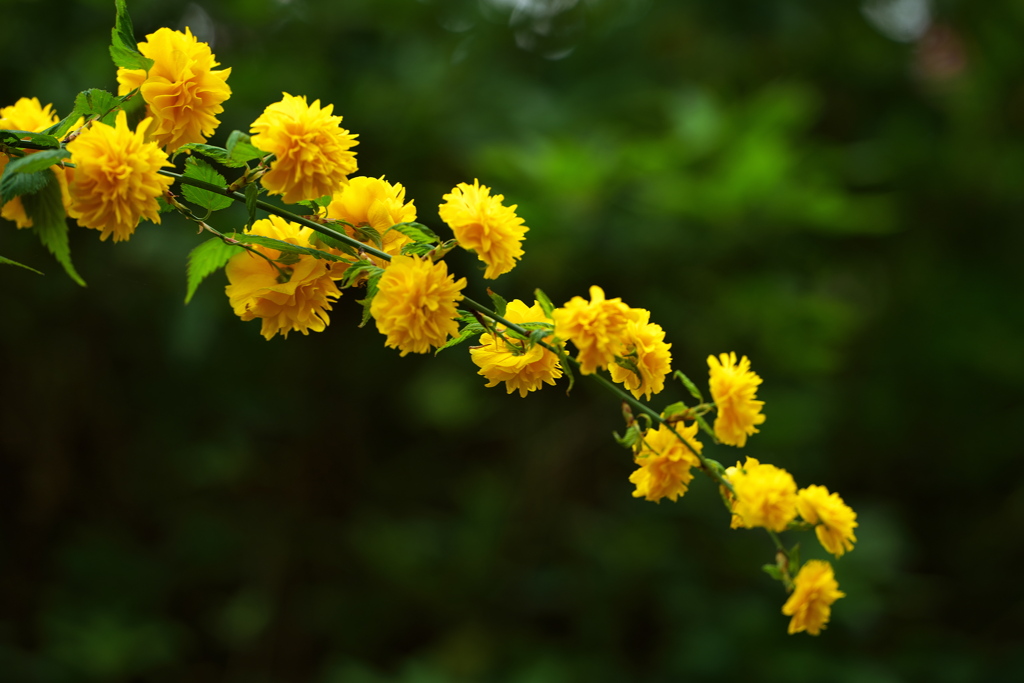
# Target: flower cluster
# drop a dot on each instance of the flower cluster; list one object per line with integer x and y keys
{"x": 665, "y": 456}
{"x": 733, "y": 389}
{"x": 29, "y": 115}
{"x": 815, "y": 589}
{"x": 374, "y": 203}
{"x": 483, "y": 224}
{"x": 519, "y": 364}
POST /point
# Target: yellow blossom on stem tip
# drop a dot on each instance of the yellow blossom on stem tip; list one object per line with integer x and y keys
{"x": 182, "y": 90}
{"x": 116, "y": 180}
{"x": 597, "y": 328}
{"x": 643, "y": 345}
{"x": 415, "y": 304}
{"x": 313, "y": 151}
{"x": 26, "y": 114}
{"x": 376, "y": 203}
{"x": 764, "y": 495}
{"x": 296, "y": 297}
{"x": 733, "y": 389}
{"x": 483, "y": 224}
{"x": 834, "y": 520}
{"x": 810, "y": 604}
{"x": 510, "y": 360}
{"x": 665, "y": 463}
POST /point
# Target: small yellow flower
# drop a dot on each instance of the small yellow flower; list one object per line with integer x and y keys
{"x": 597, "y": 328}
{"x": 256, "y": 288}
{"x": 644, "y": 344}
{"x": 810, "y": 604}
{"x": 512, "y": 362}
{"x": 483, "y": 224}
{"x": 182, "y": 90}
{"x": 765, "y": 495}
{"x": 733, "y": 389}
{"x": 376, "y": 203}
{"x": 665, "y": 463}
{"x": 313, "y": 151}
{"x": 834, "y": 520}
{"x": 415, "y": 304}
{"x": 26, "y": 114}
{"x": 116, "y": 180}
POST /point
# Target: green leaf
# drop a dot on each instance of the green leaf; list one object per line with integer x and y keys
{"x": 566, "y": 366}
{"x": 285, "y": 247}
{"x": 218, "y": 154}
{"x": 674, "y": 409}
{"x": 772, "y": 571}
{"x": 96, "y": 103}
{"x": 123, "y": 48}
{"x": 207, "y": 258}
{"x": 46, "y": 209}
{"x": 631, "y": 437}
{"x": 438, "y": 252}
{"x": 794, "y": 559}
{"x": 325, "y": 240}
{"x": 13, "y": 137}
{"x": 320, "y": 202}
{"x": 9, "y": 262}
{"x": 544, "y": 301}
{"x": 499, "y": 303}
{"x": 417, "y": 232}
{"x": 690, "y": 386}
{"x": 364, "y": 233}
{"x": 198, "y": 169}
{"x": 39, "y": 161}
{"x": 356, "y": 271}
{"x": 240, "y": 150}
{"x": 416, "y": 249}
{"x": 467, "y": 332}
{"x": 14, "y": 184}
{"x": 252, "y": 195}
{"x": 371, "y": 291}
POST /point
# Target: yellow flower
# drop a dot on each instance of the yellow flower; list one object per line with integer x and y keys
{"x": 313, "y": 151}
{"x": 810, "y": 604}
{"x": 376, "y": 203}
{"x": 483, "y": 224}
{"x": 644, "y": 344}
{"x": 833, "y": 518}
{"x": 256, "y": 289}
{"x": 511, "y": 362}
{"x": 116, "y": 181}
{"x": 415, "y": 304}
{"x": 596, "y": 327}
{"x": 665, "y": 463}
{"x": 765, "y": 495}
{"x": 182, "y": 91}
{"x": 26, "y": 114}
{"x": 733, "y": 389}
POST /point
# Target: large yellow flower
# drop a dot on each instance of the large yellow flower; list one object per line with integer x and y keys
{"x": 810, "y": 604}
{"x": 116, "y": 181}
{"x": 644, "y": 344}
{"x": 27, "y": 114}
{"x": 313, "y": 151}
{"x": 765, "y": 495}
{"x": 665, "y": 463}
{"x": 733, "y": 389}
{"x": 376, "y": 203}
{"x": 182, "y": 90}
{"x": 834, "y": 520}
{"x": 511, "y": 361}
{"x": 259, "y": 290}
{"x": 597, "y": 328}
{"x": 483, "y": 224}
{"x": 415, "y": 304}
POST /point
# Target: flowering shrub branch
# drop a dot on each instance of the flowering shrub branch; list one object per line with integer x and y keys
{"x": 288, "y": 268}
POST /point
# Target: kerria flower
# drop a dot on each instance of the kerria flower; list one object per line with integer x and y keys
{"x": 415, "y": 304}
{"x": 376, "y": 203}
{"x": 763, "y": 495}
{"x": 27, "y": 114}
{"x": 313, "y": 151}
{"x": 297, "y": 298}
{"x": 116, "y": 180}
{"x": 810, "y": 604}
{"x": 483, "y": 224}
{"x": 597, "y": 328}
{"x": 510, "y": 360}
{"x": 665, "y": 463}
{"x": 643, "y": 345}
{"x": 834, "y": 520}
{"x": 182, "y": 90}
{"x": 733, "y": 389}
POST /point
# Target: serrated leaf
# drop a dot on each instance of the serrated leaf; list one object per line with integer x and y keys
{"x": 14, "y": 184}
{"x": 371, "y": 291}
{"x": 123, "y": 48}
{"x": 563, "y": 358}
{"x": 324, "y": 240}
{"x": 207, "y": 258}
{"x": 358, "y": 271}
{"x": 438, "y": 252}
{"x": 772, "y": 571}
{"x": 320, "y": 202}
{"x": 252, "y": 195}
{"x": 544, "y": 301}
{"x": 631, "y": 437}
{"x": 9, "y": 262}
{"x": 218, "y": 154}
{"x": 95, "y": 102}
{"x": 285, "y": 247}
{"x": 13, "y": 137}
{"x": 466, "y": 333}
{"x": 499, "y": 302}
{"x": 690, "y": 386}
{"x": 417, "y": 232}
{"x": 365, "y": 233}
{"x": 240, "y": 150}
{"x": 46, "y": 209}
{"x": 30, "y": 163}
{"x": 416, "y": 249}
{"x": 674, "y": 409}
{"x": 198, "y": 169}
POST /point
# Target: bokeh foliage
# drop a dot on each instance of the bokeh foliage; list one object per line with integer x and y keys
{"x": 183, "y": 500}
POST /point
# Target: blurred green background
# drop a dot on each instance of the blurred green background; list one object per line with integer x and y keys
{"x": 833, "y": 189}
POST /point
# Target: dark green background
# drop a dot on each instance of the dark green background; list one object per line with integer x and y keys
{"x": 184, "y": 501}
